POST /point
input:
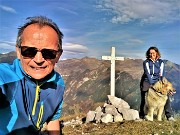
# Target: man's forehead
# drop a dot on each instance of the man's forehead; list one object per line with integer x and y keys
{"x": 37, "y": 31}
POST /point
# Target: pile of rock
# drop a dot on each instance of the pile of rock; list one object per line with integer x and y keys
{"x": 76, "y": 121}
{"x": 115, "y": 110}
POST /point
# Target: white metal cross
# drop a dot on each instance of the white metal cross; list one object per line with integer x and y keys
{"x": 112, "y": 58}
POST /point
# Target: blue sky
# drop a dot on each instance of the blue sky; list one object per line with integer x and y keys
{"x": 92, "y": 27}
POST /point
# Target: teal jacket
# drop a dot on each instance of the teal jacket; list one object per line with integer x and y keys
{"x": 26, "y": 105}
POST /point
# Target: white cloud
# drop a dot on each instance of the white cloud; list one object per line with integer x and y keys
{"x": 136, "y": 41}
{"x": 8, "y": 9}
{"x": 67, "y": 10}
{"x": 72, "y": 50}
{"x": 7, "y": 44}
{"x": 145, "y": 11}
{"x": 75, "y": 48}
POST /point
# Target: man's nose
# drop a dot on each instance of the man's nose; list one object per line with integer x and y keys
{"x": 38, "y": 58}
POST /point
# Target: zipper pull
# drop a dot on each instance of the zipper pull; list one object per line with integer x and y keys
{"x": 29, "y": 117}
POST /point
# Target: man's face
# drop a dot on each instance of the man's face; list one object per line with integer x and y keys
{"x": 44, "y": 37}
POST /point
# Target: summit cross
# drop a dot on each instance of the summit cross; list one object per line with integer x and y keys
{"x": 112, "y": 58}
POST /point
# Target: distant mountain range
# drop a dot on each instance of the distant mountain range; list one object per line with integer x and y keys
{"x": 8, "y": 57}
{"x": 88, "y": 82}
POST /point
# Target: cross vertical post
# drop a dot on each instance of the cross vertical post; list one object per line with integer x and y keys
{"x": 112, "y": 58}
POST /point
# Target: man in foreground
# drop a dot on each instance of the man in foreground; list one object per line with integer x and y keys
{"x": 31, "y": 92}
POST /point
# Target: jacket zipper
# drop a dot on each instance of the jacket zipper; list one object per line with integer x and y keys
{"x": 41, "y": 111}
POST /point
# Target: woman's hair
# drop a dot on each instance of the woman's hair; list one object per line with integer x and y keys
{"x": 153, "y": 48}
{"x": 41, "y": 21}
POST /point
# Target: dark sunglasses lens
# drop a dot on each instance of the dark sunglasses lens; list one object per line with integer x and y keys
{"x": 28, "y": 51}
{"x": 49, "y": 54}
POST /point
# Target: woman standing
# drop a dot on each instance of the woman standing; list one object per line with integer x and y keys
{"x": 153, "y": 71}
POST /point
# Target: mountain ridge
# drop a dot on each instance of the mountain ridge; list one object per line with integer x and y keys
{"x": 87, "y": 81}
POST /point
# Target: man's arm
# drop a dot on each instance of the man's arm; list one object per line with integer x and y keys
{"x": 53, "y": 127}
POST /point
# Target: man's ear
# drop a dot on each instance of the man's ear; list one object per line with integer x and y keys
{"x": 18, "y": 52}
{"x": 57, "y": 57}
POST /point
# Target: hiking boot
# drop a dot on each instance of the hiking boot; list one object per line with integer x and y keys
{"x": 141, "y": 115}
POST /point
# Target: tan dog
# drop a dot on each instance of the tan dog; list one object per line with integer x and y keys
{"x": 156, "y": 98}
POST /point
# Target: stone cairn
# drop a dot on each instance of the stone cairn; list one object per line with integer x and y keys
{"x": 115, "y": 110}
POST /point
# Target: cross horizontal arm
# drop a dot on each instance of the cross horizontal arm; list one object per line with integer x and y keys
{"x": 112, "y": 58}
{"x": 106, "y": 57}
{"x": 119, "y": 58}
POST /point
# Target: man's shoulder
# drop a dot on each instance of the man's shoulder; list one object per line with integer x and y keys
{"x": 59, "y": 79}
{"x": 5, "y": 69}
{"x": 4, "y": 65}
{"x": 7, "y": 73}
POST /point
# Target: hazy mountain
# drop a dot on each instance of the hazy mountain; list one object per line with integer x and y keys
{"x": 88, "y": 81}
{"x": 8, "y": 57}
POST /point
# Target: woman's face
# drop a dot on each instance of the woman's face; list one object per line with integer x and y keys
{"x": 153, "y": 54}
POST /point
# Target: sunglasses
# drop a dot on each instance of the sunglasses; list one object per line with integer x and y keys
{"x": 30, "y": 52}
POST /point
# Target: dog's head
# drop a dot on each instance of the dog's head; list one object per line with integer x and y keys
{"x": 164, "y": 87}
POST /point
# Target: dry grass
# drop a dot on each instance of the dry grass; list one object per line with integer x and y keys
{"x": 125, "y": 128}
{"x": 139, "y": 127}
